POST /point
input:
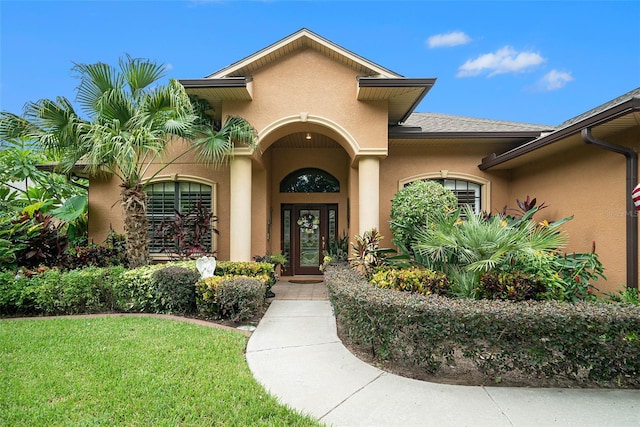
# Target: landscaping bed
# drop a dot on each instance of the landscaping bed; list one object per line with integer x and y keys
{"x": 462, "y": 341}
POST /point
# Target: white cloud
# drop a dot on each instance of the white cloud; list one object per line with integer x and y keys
{"x": 505, "y": 60}
{"x": 447, "y": 40}
{"x": 555, "y": 79}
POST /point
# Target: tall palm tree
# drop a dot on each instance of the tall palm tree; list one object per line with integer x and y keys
{"x": 130, "y": 120}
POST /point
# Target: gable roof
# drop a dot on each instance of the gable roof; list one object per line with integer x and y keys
{"x": 301, "y": 39}
{"x": 618, "y": 114}
{"x": 375, "y": 83}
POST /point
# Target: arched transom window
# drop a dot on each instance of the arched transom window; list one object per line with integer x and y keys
{"x": 309, "y": 180}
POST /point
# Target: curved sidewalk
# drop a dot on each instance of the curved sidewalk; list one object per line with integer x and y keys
{"x": 297, "y": 356}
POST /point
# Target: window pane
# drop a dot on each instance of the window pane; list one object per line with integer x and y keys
{"x": 286, "y": 236}
{"x": 193, "y": 202}
{"x": 309, "y": 180}
{"x": 467, "y": 192}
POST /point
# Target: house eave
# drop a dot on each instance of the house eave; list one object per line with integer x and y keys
{"x": 509, "y": 158}
{"x": 402, "y": 94}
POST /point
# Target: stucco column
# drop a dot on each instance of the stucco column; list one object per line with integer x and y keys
{"x": 240, "y": 221}
{"x": 369, "y": 190}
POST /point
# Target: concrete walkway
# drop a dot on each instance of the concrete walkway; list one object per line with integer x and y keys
{"x": 296, "y": 354}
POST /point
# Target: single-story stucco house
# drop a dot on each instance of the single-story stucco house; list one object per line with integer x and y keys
{"x": 338, "y": 137}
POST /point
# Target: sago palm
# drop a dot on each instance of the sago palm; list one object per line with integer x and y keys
{"x": 130, "y": 119}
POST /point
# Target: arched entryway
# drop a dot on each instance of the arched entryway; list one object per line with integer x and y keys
{"x": 309, "y": 174}
{"x": 308, "y": 229}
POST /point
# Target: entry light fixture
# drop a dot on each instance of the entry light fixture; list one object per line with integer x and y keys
{"x": 308, "y": 137}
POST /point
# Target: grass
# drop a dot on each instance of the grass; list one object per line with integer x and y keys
{"x": 130, "y": 371}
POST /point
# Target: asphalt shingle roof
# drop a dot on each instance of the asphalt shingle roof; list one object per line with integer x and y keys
{"x": 436, "y": 122}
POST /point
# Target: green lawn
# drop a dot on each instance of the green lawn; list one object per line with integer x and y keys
{"x": 129, "y": 371}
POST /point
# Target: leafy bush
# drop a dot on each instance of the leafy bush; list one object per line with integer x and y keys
{"x": 136, "y": 289}
{"x": 418, "y": 280}
{"x": 412, "y": 205}
{"x": 14, "y": 296}
{"x": 113, "y": 251}
{"x": 175, "y": 289}
{"x": 510, "y": 285}
{"x": 265, "y": 271}
{"x": 627, "y": 296}
{"x": 587, "y": 343}
{"x": 53, "y": 292}
{"x": 35, "y": 239}
{"x": 230, "y": 297}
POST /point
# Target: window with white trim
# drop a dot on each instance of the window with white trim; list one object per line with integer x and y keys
{"x": 188, "y": 198}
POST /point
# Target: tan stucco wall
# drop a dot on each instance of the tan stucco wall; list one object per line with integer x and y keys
{"x": 589, "y": 183}
{"x": 104, "y": 196}
{"x": 309, "y": 82}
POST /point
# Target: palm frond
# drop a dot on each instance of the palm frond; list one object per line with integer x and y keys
{"x": 95, "y": 80}
{"x": 140, "y": 73}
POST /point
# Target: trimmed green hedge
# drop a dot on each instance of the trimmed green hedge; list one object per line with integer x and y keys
{"x": 586, "y": 343}
{"x": 231, "y": 297}
{"x": 159, "y": 288}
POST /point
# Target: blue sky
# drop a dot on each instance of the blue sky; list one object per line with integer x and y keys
{"x": 539, "y": 62}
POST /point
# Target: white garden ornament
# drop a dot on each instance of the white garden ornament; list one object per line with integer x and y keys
{"x": 206, "y": 266}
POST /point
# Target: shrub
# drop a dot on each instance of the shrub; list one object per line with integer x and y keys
{"x": 111, "y": 252}
{"x": 510, "y": 285}
{"x": 175, "y": 289}
{"x": 52, "y": 292}
{"x": 586, "y": 343}
{"x": 236, "y": 298}
{"x": 14, "y": 297}
{"x": 265, "y": 271}
{"x": 412, "y": 205}
{"x": 422, "y": 281}
{"x": 136, "y": 289}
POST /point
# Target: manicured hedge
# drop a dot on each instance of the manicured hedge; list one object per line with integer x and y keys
{"x": 586, "y": 343}
{"x": 159, "y": 288}
{"x": 231, "y": 297}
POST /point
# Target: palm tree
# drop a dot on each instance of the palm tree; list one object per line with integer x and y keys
{"x": 131, "y": 119}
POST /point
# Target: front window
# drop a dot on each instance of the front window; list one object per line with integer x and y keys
{"x": 467, "y": 192}
{"x": 180, "y": 218}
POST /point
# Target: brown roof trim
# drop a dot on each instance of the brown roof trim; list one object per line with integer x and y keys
{"x": 616, "y": 111}
{"x": 227, "y": 82}
{"x": 396, "y": 82}
{"x": 527, "y": 134}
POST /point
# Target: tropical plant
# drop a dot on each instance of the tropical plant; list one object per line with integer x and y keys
{"x": 367, "y": 253}
{"x": 23, "y": 184}
{"x": 412, "y": 205}
{"x": 131, "y": 120}
{"x": 188, "y": 234}
{"x": 475, "y": 245}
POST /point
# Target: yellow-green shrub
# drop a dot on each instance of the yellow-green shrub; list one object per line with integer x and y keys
{"x": 419, "y": 280}
{"x": 231, "y": 297}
